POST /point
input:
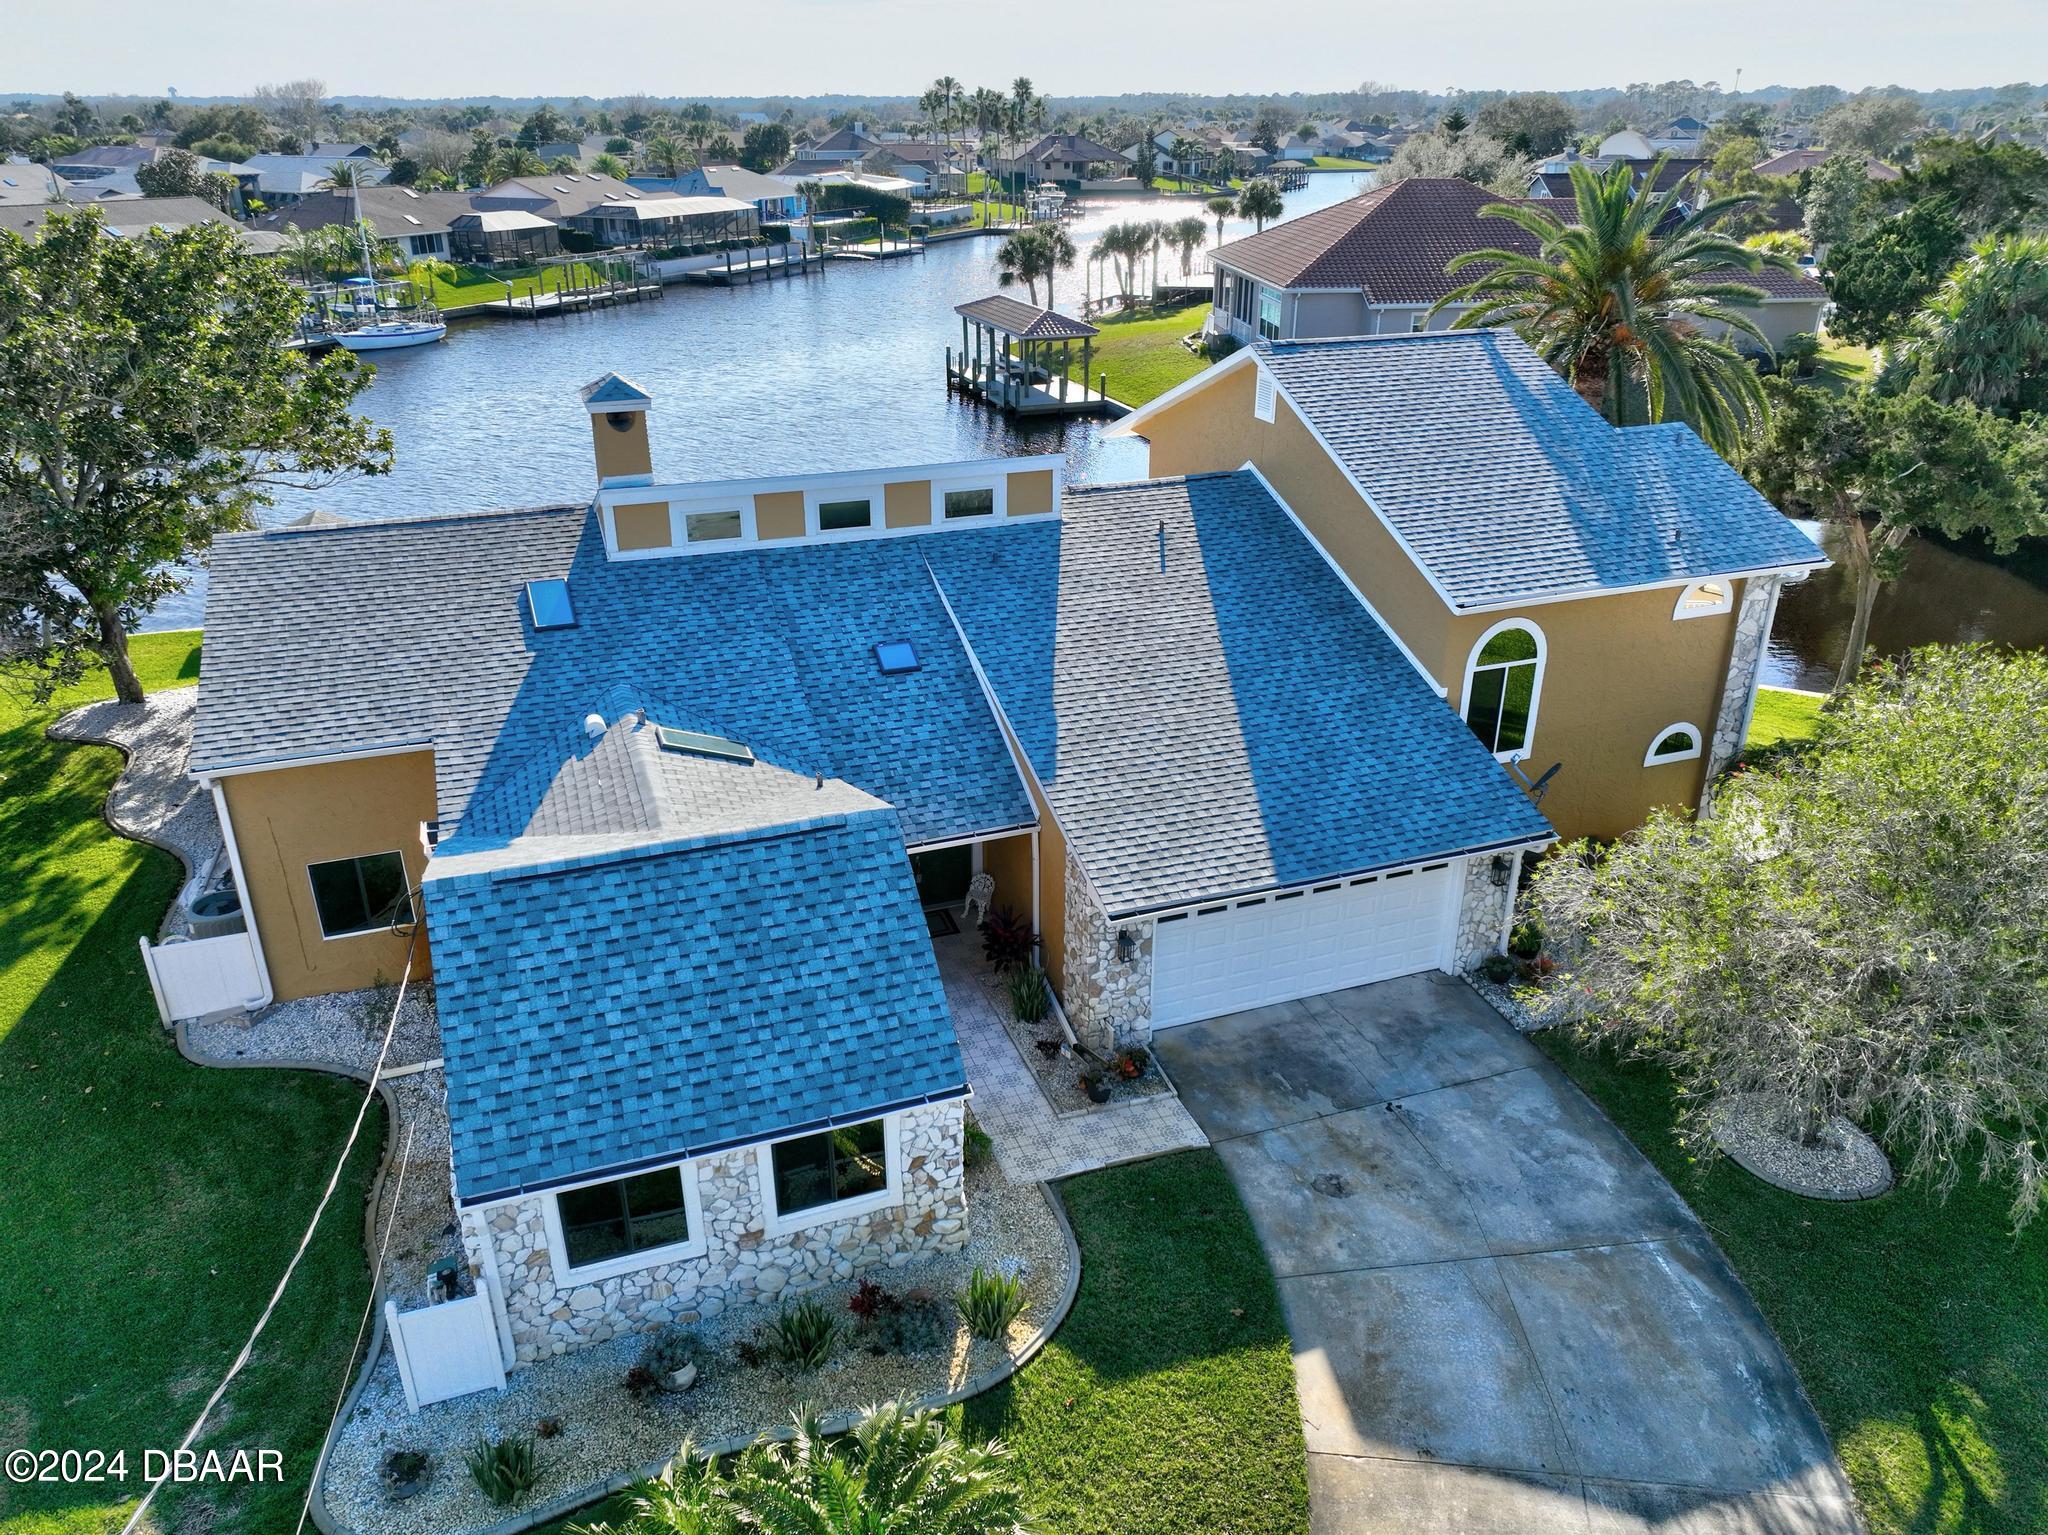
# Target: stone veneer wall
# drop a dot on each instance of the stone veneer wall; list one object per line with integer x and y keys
{"x": 742, "y": 1264}
{"x": 1482, "y": 908}
{"x": 1108, "y": 1000}
{"x": 1752, "y": 634}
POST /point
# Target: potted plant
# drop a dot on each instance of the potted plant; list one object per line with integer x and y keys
{"x": 1130, "y": 1062}
{"x": 405, "y": 1473}
{"x": 1498, "y": 968}
{"x": 1095, "y": 1083}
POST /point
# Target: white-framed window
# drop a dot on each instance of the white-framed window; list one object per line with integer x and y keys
{"x": 617, "y": 1225}
{"x": 369, "y": 894}
{"x": 964, "y": 502}
{"x": 846, "y": 511}
{"x": 1269, "y": 314}
{"x": 1705, "y": 597}
{"x": 1263, "y": 394}
{"x": 1503, "y": 686}
{"x": 1418, "y": 322}
{"x": 832, "y": 1175}
{"x": 1678, "y": 742}
{"x": 713, "y": 527}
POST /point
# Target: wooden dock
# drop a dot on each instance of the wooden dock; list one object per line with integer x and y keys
{"x": 1037, "y": 395}
{"x": 797, "y": 258}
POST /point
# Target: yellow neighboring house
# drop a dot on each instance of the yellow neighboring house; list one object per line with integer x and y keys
{"x": 1595, "y": 602}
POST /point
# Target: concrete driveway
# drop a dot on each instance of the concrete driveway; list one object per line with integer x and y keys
{"x": 1505, "y": 1321}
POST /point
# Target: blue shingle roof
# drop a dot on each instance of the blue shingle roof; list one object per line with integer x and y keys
{"x": 605, "y": 1011}
{"x": 1506, "y": 486}
{"x": 415, "y": 633}
{"x": 1209, "y": 708}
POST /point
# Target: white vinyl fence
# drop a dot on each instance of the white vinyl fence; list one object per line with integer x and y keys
{"x": 445, "y": 1350}
{"x": 193, "y": 977}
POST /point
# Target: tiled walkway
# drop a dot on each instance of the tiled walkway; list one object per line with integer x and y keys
{"x": 1031, "y": 1141}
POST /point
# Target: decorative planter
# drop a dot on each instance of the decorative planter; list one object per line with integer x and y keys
{"x": 1097, "y": 1087}
{"x": 405, "y": 1474}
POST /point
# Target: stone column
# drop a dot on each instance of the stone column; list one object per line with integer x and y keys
{"x": 1482, "y": 909}
{"x": 1108, "y": 998}
{"x": 1745, "y": 666}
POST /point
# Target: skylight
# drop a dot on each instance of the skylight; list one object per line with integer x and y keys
{"x": 895, "y": 656}
{"x": 702, "y": 745}
{"x": 549, "y": 603}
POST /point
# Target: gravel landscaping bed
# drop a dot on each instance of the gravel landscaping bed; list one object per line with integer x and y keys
{"x": 1845, "y": 1164}
{"x": 1507, "y": 999}
{"x": 604, "y": 1430}
{"x": 1059, "y": 1076}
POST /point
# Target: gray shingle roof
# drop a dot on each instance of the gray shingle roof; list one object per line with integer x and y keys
{"x": 622, "y": 1009}
{"x": 1026, "y": 322}
{"x": 1506, "y": 486}
{"x": 1209, "y": 708}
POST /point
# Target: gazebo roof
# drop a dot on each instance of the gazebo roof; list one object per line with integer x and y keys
{"x": 1025, "y": 322}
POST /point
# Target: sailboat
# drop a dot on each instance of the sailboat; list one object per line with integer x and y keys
{"x": 378, "y": 335}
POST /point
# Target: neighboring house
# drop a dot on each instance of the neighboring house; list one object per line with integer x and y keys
{"x": 1166, "y": 163}
{"x": 1374, "y": 264}
{"x": 561, "y": 198}
{"x": 1552, "y": 177}
{"x": 417, "y": 223}
{"x": 340, "y": 149}
{"x": 1681, "y": 136}
{"x": 655, "y": 788}
{"x": 1584, "y": 596}
{"x": 1794, "y": 161}
{"x": 23, "y": 181}
{"x": 841, "y": 148}
{"x": 1060, "y": 157}
{"x": 126, "y": 217}
{"x": 941, "y": 167}
{"x": 502, "y": 234}
{"x": 106, "y": 160}
{"x": 776, "y": 201}
{"x": 281, "y": 180}
{"x": 665, "y": 220}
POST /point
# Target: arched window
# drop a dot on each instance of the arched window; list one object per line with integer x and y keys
{"x": 1704, "y": 597}
{"x": 1674, "y": 743}
{"x": 1503, "y": 683}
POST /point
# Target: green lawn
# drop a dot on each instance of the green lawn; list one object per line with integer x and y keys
{"x": 1144, "y": 357}
{"x": 148, "y": 1204}
{"x": 1165, "y": 1402}
{"x": 1916, "y": 1327}
{"x": 1843, "y": 364}
{"x": 1783, "y": 715}
{"x": 481, "y": 285}
{"x": 1339, "y": 163}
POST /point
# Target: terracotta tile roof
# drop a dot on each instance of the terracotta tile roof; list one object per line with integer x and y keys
{"x": 1395, "y": 241}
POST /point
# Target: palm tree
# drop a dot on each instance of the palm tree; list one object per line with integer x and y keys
{"x": 1259, "y": 201}
{"x": 948, "y": 90}
{"x": 341, "y": 175}
{"x": 1021, "y": 258}
{"x": 1222, "y": 208}
{"x": 1060, "y": 256}
{"x": 610, "y": 165}
{"x": 1188, "y": 235}
{"x": 1983, "y": 336}
{"x": 813, "y": 194}
{"x": 665, "y": 154}
{"x": 894, "y": 1472}
{"x": 1618, "y": 309}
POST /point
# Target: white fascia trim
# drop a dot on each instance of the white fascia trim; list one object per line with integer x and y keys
{"x": 776, "y": 1224}
{"x": 941, "y": 844}
{"x": 1510, "y": 604}
{"x": 1349, "y": 585}
{"x": 1129, "y": 425}
{"x": 1267, "y": 892}
{"x": 314, "y": 759}
{"x": 696, "y": 1245}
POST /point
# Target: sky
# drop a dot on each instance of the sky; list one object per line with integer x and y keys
{"x": 897, "y": 47}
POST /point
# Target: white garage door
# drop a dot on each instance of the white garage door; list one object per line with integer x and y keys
{"x": 1229, "y": 958}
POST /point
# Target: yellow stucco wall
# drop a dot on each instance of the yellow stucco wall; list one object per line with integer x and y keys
{"x": 621, "y": 452}
{"x": 779, "y": 514}
{"x": 289, "y": 818}
{"x": 907, "y": 504}
{"x": 1030, "y": 492}
{"x": 1617, "y": 668}
{"x": 642, "y": 525}
{"x": 1007, "y": 860}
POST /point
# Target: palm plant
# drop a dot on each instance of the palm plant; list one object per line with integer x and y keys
{"x": 1060, "y": 256}
{"x": 1221, "y": 208}
{"x": 1188, "y": 235}
{"x": 1259, "y": 201}
{"x": 1619, "y": 309}
{"x": 665, "y": 154}
{"x": 948, "y": 90}
{"x": 610, "y": 165}
{"x": 895, "y": 1473}
{"x": 1021, "y": 258}
{"x": 1983, "y": 336}
{"x": 813, "y": 194}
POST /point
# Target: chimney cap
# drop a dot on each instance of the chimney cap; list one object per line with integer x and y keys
{"x": 614, "y": 392}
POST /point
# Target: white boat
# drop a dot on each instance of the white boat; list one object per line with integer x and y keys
{"x": 388, "y": 334}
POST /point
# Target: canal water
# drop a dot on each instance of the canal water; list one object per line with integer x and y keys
{"x": 845, "y": 368}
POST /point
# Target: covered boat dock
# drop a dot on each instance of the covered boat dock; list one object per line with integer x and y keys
{"x": 1019, "y": 358}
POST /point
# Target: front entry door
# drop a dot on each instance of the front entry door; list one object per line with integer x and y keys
{"x": 942, "y": 876}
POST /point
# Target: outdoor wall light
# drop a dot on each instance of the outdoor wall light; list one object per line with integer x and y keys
{"x": 1501, "y": 864}
{"x": 1126, "y": 945}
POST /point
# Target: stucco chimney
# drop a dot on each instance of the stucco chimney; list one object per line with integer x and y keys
{"x": 618, "y": 430}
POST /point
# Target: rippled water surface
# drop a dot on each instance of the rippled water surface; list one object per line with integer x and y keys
{"x": 845, "y": 368}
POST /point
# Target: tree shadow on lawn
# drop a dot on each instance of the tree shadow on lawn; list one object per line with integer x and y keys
{"x": 150, "y": 1204}
{"x": 1165, "y": 1402}
{"x": 1915, "y": 1325}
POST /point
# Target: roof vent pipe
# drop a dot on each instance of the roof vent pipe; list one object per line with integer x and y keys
{"x": 593, "y": 726}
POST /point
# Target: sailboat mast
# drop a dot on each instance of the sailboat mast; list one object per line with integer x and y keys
{"x": 355, "y": 188}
